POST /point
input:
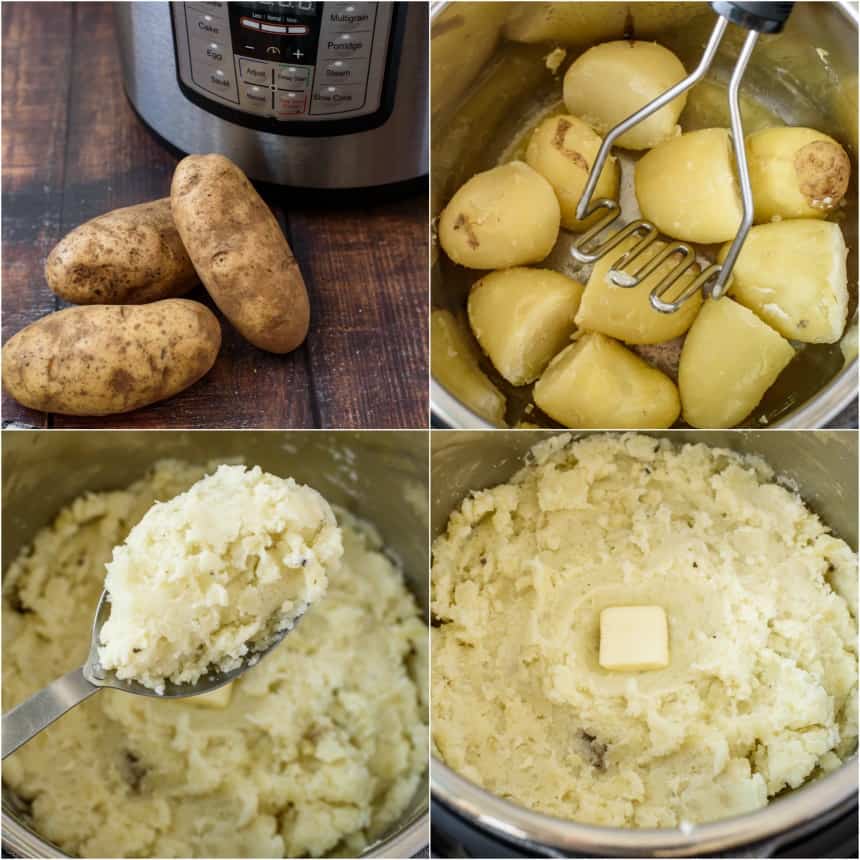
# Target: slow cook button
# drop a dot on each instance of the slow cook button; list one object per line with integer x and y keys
{"x": 344, "y": 72}
{"x": 255, "y": 73}
{"x": 290, "y": 103}
{"x": 206, "y": 26}
{"x": 345, "y": 45}
{"x": 341, "y": 99}
{"x": 291, "y": 77}
{"x": 257, "y": 98}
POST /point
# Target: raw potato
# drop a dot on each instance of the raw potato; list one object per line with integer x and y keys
{"x": 239, "y": 252}
{"x": 687, "y": 187}
{"x": 792, "y": 274}
{"x": 562, "y": 149}
{"x": 598, "y": 383}
{"x": 506, "y": 216}
{"x": 796, "y": 173}
{"x": 609, "y": 82}
{"x": 454, "y": 362}
{"x": 105, "y": 359}
{"x": 729, "y": 360}
{"x": 522, "y": 318}
{"x": 625, "y": 313}
{"x": 130, "y": 256}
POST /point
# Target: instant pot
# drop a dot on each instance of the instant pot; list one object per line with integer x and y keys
{"x": 380, "y": 476}
{"x": 312, "y": 95}
{"x": 497, "y": 68}
{"x": 817, "y": 820}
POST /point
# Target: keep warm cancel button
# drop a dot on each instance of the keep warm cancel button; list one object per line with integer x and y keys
{"x": 337, "y": 99}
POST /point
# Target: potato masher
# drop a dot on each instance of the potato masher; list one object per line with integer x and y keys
{"x": 757, "y": 18}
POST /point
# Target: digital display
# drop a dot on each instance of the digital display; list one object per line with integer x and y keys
{"x": 298, "y": 7}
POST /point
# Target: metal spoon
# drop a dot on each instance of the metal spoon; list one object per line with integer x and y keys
{"x": 38, "y": 712}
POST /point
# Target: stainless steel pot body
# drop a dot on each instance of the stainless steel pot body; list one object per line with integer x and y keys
{"x": 395, "y": 151}
{"x": 378, "y": 475}
{"x": 824, "y": 466}
{"x": 489, "y": 81}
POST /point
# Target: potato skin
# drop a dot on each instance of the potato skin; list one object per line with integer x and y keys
{"x": 796, "y": 172}
{"x": 240, "y": 253}
{"x": 106, "y": 359}
{"x": 503, "y": 217}
{"x": 126, "y": 257}
{"x": 611, "y": 81}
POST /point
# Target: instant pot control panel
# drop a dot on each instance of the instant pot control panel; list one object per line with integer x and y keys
{"x": 289, "y": 68}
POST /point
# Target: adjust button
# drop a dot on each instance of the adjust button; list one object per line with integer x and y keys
{"x": 342, "y": 72}
{"x": 255, "y": 73}
{"x": 292, "y": 77}
{"x": 345, "y": 46}
{"x": 337, "y": 99}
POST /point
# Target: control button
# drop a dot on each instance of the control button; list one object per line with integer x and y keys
{"x": 351, "y": 17}
{"x": 214, "y": 52}
{"x": 249, "y": 23}
{"x": 217, "y": 81}
{"x": 337, "y": 99}
{"x": 273, "y": 51}
{"x": 297, "y": 29}
{"x": 258, "y": 98}
{"x": 344, "y": 45}
{"x": 255, "y": 73}
{"x": 292, "y": 77}
{"x": 343, "y": 72}
{"x": 204, "y": 25}
{"x": 290, "y": 103}
{"x": 273, "y": 28}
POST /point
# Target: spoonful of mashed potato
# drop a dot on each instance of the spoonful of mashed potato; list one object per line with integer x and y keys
{"x": 204, "y": 585}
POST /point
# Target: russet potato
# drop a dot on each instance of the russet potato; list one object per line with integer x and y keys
{"x": 792, "y": 274}
{"x": 506, "y": 216}
{"x": 687, "y": 187}
{"x": 522, "y": 318}
{"x": 625, "y": 313}
{"x": 609, "y": 82}
{"x": 598, "y": 383}
{"x": 562, "y": 149}
{"x": 729, "y": 360}
{"x": 454, "y": 363}
{"x": 796, "y": 173}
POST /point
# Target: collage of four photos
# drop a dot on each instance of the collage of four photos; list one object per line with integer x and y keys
{"x": 429, "y": 429}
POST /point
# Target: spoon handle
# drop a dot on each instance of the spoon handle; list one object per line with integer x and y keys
{"x": 38, "y": 712}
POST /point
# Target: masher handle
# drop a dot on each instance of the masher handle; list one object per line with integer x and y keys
{"x": 762, "y": 17}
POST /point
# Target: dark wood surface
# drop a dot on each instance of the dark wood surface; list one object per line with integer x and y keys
{"x": 73, "y": 148}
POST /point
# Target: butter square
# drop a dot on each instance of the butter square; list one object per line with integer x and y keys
{"x": 219, "y": 698}
{"x": 634, "y": 638}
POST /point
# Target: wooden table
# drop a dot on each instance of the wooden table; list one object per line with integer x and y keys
{"x": 73, "y": 148}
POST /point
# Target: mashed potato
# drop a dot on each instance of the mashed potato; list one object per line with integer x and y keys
{"x": 315, "y": 751}
{"x": 216, "y": 572}
{"x": 760, "y": 691}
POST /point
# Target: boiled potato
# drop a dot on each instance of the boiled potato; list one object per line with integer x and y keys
{"x": 522, "y": 318}
{"x": 454, "y": 363}
{"x": 598, "y": 383}
{"x": 240, "y": 253}
{"x": 729, "y": 360}
{"x": 105, "y": 359}
{"x": 503, "y": 217}
{"x": 795, "y": 173}
{"x": 127, "y": 257}
{"x": 687, "y": 187}
{"x": 562, "y": 149}
{"x": 609, "y": 82}
{"x": 625, "y": 313}
{"x": 792, "y": 274}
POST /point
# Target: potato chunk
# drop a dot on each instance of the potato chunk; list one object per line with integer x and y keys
{"x": 522, "y": 318}
{"x": 687, "y": 187}
{"x": 796, "y": 173}
{"x": 454, "y": 363}
{"x": 609, "y": 82}
{"x": 562, "y": 149}
{"x": 792, "y": 274}
{"x": 597, "y": 382}
{"x": 625, "y": 312}
{"x": 729, "y": 360}
{"x": 507, "y": 216}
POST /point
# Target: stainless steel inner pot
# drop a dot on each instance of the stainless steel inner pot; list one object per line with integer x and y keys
{"x": 824, "y": 466}
{"x": 490, "y": 84}
{"x": 379, "y": 475}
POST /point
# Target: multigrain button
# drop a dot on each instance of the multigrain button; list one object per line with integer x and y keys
{"x": 255, "y": 73}
{"x": 345, "y": 46}
{"x": 353, "y": 17}
{"x": 292, "y": 77}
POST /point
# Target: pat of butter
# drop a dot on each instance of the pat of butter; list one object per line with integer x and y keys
{"x": 219, "y": 698}
{"x": 633, "y": 638}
